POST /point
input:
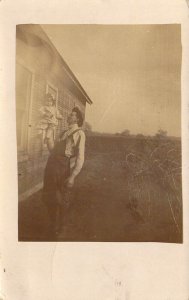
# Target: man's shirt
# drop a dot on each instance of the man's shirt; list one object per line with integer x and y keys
{"x": 75, "y": 140}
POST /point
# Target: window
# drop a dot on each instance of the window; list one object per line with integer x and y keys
{"x": 50, "y": 88}
{"x": 53, "y": 91}
{"x": 23, "y": 94}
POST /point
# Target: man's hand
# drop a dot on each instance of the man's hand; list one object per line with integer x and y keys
{"x": 70, "y": 182}
{"x": 48, "y": 114}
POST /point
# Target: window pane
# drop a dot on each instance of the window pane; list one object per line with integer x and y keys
{"x": 52, "y": 91}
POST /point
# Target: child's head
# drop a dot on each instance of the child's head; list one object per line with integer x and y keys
{"x": 49, "y": 100}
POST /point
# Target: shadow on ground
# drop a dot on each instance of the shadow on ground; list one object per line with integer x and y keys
{"x": 100, "y": 209}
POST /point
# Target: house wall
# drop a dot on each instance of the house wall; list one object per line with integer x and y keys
{"x": 39, "y": 69}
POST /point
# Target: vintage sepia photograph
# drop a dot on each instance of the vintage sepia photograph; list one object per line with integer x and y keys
{"x": 98, "y": 119}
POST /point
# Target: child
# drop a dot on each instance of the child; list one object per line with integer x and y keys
{"x": 49, "y": 120}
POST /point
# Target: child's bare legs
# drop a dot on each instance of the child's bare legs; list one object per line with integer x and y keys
{"x": 50, "y": 138}
{"x": 50, "y": 144}
{"x": 40, "y": 138}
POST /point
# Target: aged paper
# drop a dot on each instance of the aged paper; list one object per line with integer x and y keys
{"x": 86, "y": 270}
{"x": 129, "y": 184}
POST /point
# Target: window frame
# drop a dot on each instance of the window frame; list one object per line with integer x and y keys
{"x": 50, "y": 85}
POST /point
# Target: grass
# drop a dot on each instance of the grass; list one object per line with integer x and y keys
{"x": 128, "y": 191}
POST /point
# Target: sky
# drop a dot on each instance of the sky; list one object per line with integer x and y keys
{"x": 130, "y": 72}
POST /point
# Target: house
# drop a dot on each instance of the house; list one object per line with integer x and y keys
{"x": 40, "y": 69}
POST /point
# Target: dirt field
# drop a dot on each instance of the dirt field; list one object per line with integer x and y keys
{"x": 129, "y": 190}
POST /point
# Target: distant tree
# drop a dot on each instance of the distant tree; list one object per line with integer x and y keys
{"x": 126, "y": 132}
{"x": 161, "y": 133}
{"x": 140, "y": 136}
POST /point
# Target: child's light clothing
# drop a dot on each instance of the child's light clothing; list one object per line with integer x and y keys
{"x": 50, "y": 115}
{"x": 48, "y": 121}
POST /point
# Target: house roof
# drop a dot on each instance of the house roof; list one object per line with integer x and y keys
{"x": 39, "y": 32}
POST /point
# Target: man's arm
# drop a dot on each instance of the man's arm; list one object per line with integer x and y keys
{"x": 80, "y": 155}
{"x": 79, "y": 159}
{"x": 44, "y": 112}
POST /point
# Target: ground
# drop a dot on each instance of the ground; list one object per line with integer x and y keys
{"x": 127, "y": 191}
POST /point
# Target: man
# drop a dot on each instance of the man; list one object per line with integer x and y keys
{"x": 63, "y": 166}
{"x": 75, "y": 144}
